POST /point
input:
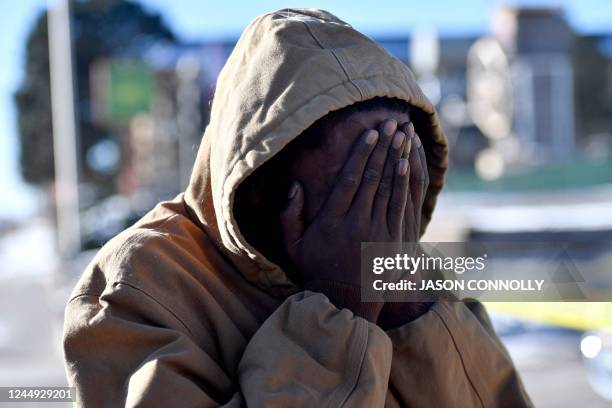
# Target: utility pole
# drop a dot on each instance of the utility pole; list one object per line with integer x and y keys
{"x": 64, "y": 129}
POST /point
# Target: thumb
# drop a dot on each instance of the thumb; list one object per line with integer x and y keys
{"x": 291, "y": 218}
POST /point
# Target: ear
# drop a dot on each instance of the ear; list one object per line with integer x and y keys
{"x": 291, "y": 218}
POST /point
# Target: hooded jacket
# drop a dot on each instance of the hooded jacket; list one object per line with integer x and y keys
{"x": 180, "y": 310}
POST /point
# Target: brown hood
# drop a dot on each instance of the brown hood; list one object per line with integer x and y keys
{"x": 163, "y": 317}
{"x": 288, "y": 69}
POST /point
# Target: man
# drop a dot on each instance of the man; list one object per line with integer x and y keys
{"x": 244, "y": 290}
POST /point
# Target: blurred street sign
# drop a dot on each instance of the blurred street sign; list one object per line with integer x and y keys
{"x": 121, "y": 89}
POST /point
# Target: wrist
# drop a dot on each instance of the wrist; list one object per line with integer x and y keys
{"x": 344, "y": 295}
{"x": 396, "y": 314}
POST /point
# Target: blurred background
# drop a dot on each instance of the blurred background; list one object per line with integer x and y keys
{"x": 103, "y": 104}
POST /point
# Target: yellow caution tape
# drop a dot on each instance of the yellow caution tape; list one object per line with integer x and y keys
{"x": 574, "y": 315}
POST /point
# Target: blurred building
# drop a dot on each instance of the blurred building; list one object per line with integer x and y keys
{"x": 543, "y": 80}
{"x": 156, "y": 110}
{"x": 530, "y": 93}
{"x": 525, "y": 81}
{"x": 516, "y": 92}
{"x": 538, "y": 46}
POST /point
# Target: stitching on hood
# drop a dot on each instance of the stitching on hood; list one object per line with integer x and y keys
{"x": 348, "y": 77}
{"x": 255, "y": 141}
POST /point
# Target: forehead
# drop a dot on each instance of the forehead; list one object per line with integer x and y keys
{"x": 370, "y": 119}
{"x": 346, "y": 131}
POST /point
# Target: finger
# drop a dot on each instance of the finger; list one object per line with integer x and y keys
{"x": 291, "y": 219}
{"x": 408, "y": 129}
{"x": 400, "y": 197}
{"x": 381, "y": 199}
{"x": 422, "y": 155}
{"x": 412, "y": 214}
{"x": 347, "y": 183}
{"x": 374, "y": 170}
{"x": 417, "y": 176}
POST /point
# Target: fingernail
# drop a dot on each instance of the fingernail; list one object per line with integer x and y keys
{"x": 390, "y": 126}
{"x": 410, "y": 130}
{"x": 402, "y": 167}
{"x": 371, "y": 137}
{"x": 398, "y": 140}
{"x": 407, "y": 148}
{"x": 417, "y": 140}
{"x": 293, "y": 190}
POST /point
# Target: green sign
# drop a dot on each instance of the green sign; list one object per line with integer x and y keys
{"x": 122, "y": 89}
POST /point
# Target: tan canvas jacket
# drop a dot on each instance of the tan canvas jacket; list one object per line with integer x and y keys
{"x": 180, "y": 311}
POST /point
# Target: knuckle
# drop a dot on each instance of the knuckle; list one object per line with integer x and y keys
{"x": 347, "y": 181}
{"x": 384, "y": 188}
{"x": 371, "y": 175}
{"x": 396, "y": 207}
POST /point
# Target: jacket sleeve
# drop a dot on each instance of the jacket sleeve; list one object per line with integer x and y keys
{"x": 123, "y": 348}
{"x": 451, "y": 356}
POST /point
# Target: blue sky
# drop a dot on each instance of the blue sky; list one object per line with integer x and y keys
{"x": 195, "y": 20}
